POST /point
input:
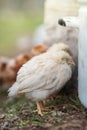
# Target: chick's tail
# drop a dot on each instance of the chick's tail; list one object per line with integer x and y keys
{"x": 13, "y": 91}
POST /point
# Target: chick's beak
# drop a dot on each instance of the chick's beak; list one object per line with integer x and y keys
{"x": 71, "y": 62}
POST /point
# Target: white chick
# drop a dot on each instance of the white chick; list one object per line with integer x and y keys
{"x": 44, "y": 75}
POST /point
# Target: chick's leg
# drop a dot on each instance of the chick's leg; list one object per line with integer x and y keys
{"x": 40, "y": 107}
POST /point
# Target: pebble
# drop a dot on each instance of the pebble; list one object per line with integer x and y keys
{"x": 2, "y": 116}
{"x": 5, "y": 126}
{"x": 54, "y": 113}
{"x": 59, "y": 120}
{"x": 14, "y": 118}
{"x": 60, "y": 113}
{"x": 64, "y": 109}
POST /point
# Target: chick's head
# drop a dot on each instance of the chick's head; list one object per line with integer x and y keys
{"x": 60, "y": 47}
{"x": 65, "y": 58}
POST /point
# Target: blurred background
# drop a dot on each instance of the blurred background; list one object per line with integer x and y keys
{"x": 18, "y": 21}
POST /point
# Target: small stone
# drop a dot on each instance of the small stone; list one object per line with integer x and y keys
{"x": 2, "y": 116}
{"x": 14, "y": 118}
{"x": 5, "y": 126}
{"x": 59, "y": 120}
{"x": 59, "y": 113}
{"x": 64, "y": 109}
{"x": 54, "y": 113}
{"x": 48, "y": 125}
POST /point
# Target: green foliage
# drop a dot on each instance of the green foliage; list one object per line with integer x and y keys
{"x": 22, "y": 123}
{"x": 12, "y": 27}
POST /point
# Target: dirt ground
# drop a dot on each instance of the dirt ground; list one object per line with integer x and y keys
{"x": 63, "y": 112}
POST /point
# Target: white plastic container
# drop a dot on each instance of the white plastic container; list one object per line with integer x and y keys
{"x": 82, "y": 89}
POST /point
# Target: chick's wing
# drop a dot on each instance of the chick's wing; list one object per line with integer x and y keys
{"x": 41, "y": 73}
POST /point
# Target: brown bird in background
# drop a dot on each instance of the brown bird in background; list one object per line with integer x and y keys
{"x": 18, "y": 61}
{"x": 38, "y": 50}
{"x": 3, "y": 64}
{"x": 9, "y": 67}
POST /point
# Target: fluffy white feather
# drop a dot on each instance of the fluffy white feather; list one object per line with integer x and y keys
{"x": 13, "y": 91}
{"x": 43, "y": 75}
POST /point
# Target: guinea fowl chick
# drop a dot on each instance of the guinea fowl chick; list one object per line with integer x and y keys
{"x": 44, "y": 75}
